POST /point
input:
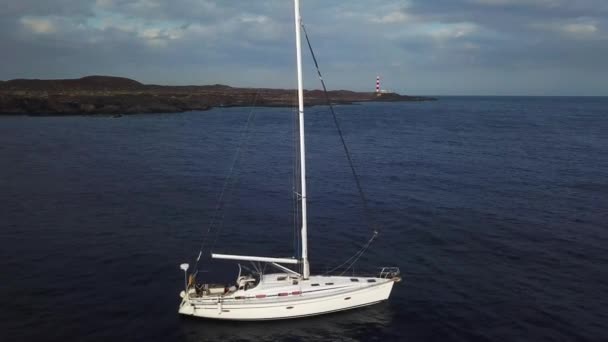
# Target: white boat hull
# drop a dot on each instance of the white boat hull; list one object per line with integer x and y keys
{"x": 306, "y": 304}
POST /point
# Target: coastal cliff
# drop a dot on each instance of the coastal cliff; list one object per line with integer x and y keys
{"x": 118, "y": 95}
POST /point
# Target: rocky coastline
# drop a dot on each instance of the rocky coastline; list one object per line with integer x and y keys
{"x": 118, "y": 95}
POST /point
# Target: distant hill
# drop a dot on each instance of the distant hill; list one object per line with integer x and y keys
{"x": 88, "y": 83}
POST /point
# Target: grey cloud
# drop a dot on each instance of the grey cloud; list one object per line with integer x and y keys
{"x": 422, "y": 46}
{"x": 12, "y": 8}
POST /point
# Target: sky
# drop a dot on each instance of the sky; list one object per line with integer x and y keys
{"x": 418, "y": 47}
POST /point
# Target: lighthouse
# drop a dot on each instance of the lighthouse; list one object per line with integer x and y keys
{"x": 377, "y": 85}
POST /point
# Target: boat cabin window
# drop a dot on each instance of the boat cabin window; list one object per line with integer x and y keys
{"x": 281, "y": 278}
{"x": 354, "y": 280}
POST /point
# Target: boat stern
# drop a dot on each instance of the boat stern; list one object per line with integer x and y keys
{"x": 185, "y": 307}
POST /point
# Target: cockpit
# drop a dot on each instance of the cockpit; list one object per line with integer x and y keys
{"x": 247, "y": 282}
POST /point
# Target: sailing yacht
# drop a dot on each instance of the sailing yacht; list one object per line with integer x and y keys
{"x": 286, "y": 293}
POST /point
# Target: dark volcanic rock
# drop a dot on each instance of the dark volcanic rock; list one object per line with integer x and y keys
{"x": 114, "y": 95}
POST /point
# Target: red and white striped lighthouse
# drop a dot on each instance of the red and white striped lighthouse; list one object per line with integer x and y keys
{"x": 378, "y": 84}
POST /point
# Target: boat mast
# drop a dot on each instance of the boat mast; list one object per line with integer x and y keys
{"x": 305, "y": 265}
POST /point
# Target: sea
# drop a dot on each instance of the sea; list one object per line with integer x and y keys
{"x": 495, "y": 209}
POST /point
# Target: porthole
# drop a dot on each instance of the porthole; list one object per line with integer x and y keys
{"x": 289, "y": 307}
{"x": 314, "y": 284}
{"x": 354, "y": 280}
{"x": 329, "y": 283}
{"x": 371, "y": 280}
{"x": 347, "y": 298}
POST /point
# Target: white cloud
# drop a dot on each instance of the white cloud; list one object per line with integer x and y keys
{"x": 579, "y": 29}
{"x": 160, "y": 37}
{"x": 394, "y": 17}
{"x": 38, "y": 25}
{"x": 537, "y": 3}
{"x": 258, "y": 19}
{"x": 452, "y": 30}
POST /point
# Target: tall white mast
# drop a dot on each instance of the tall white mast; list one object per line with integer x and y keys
{"x": 305, "y": 265}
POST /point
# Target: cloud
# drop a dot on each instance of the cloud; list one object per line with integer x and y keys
{"x": 527, "y": 3}
{"x": 578, "y": 29}
{"x": 424, "y": 46}
{"x": 581, "y": 28}
{"x": 451, "y": 31}
{"x": 393, "y": 17}
{"x": 38, "y": 25}
{"x": 258, "y": 19}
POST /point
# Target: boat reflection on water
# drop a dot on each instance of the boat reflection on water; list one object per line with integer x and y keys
{"x": 343, "y": 326}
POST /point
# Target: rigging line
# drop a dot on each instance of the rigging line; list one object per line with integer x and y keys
{"x": 367, "y": 211}
{"x": 234, "y": 182}
{"x": 244, "y": 131}
{"x": 355, "y": 256}
{"x": 352, "y": 264}
{"x": 369, "y": 215}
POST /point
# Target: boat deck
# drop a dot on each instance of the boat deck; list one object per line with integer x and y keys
{"x": 287, "y": 285}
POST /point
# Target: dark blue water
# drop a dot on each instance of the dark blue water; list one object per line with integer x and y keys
{"x": 495, "y": 209}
